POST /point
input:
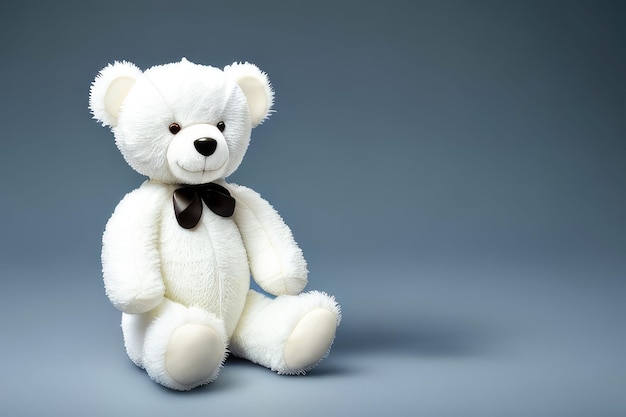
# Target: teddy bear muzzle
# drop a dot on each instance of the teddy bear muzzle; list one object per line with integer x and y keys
{"x": 198, "y": 154}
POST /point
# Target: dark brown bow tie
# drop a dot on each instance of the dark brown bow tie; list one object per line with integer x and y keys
{"x": 188, "y": 203}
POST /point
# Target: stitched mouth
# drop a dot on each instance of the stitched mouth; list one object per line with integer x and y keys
{"x": 203, "y": 169}
{"x": 181, "y": 166}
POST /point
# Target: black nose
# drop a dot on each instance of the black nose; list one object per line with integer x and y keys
{"x": 206, "y": 146}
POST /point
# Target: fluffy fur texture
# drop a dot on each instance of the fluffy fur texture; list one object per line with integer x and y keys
{"x": 266, "y": 324}
{"x": 184, "y": 293}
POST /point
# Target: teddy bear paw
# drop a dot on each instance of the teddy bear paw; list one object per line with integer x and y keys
{"x": 310, "y": 340}
{"x": 194, "y": 354}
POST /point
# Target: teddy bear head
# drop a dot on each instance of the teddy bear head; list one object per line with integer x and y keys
{"x": 182, "y": 123}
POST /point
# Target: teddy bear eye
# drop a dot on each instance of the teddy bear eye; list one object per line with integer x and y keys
{"x": 174, "y": 128}
{"x": 221, "y": 126}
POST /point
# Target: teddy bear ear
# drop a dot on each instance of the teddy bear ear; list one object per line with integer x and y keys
{"x": 109, "y": 90}
{"x": 257, "y": 88}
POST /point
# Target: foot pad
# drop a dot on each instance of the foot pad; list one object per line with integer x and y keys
{"x": 194, "y": 353}
{"x": 310, "y": 340}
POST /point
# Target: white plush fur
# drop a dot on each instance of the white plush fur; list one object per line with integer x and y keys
{"x": 173, "y": 284}
{"x": 147, "y": 335}
{"x": 183, "y": 93}
{"x": 256, "y": 86}
{"x": 109, "y": 90}
{"x": 131, "y": 262}
{"x": 275, "y": 259}
{"x": 267, "y": 323}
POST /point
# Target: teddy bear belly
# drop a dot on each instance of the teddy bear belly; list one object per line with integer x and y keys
{"x": 206, "y": 267}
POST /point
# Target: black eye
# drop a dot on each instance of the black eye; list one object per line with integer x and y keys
{"x": 174, "y": 128}
{"x": 221, "y": 126}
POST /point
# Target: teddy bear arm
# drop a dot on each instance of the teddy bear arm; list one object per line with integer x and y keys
{"x": 130, "y": 257}
{"x": 276, "y": 261}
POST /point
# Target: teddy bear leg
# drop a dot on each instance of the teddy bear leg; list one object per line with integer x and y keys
{"x": 288, "y": 334}
{"x": 182, "y": 347}
{"x": 134, "y": 328}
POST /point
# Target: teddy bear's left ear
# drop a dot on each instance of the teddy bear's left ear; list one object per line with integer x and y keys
{"x": 256, "y": 87}
{"x": 109, "y": 90}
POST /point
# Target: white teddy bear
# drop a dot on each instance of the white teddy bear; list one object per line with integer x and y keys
{"x": 178, "y": 252}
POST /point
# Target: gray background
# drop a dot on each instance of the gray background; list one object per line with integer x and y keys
{"x": 454, "y": 172}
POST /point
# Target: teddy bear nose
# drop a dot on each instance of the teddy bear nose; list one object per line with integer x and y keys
{"x": 206, "y": 146}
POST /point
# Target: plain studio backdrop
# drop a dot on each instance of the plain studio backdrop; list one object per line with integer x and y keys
{"x": 455, "y": 173}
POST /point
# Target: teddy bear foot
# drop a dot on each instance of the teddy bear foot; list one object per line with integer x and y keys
{"x": 309, "y": 341}
{"x": 194, "y": 353}
{"x": 179, "y": 347}
{"x": 288, "y": 334}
